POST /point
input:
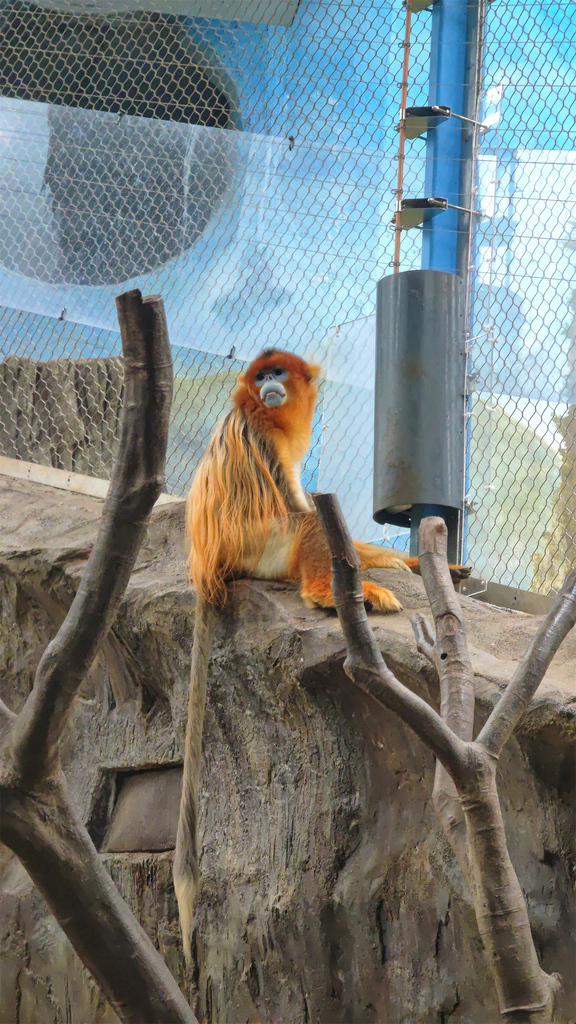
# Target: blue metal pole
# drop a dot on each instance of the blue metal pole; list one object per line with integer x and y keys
{"x": 453, "y": 83}
{"x": 448, "y": 59}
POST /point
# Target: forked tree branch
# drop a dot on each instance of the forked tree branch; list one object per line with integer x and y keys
{"x": 364, "y": 663}
{"x": 43, "y": 830}
{"x": 470, "y": 797}
{"x": 530, "y": 672}
{"x": 136, "y": 482}
{"x": 447, "y": 650}
{"x": 39, "y": 821}
{"x": 471, "y": 815}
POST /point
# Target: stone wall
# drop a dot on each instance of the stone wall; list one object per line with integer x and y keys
{"x": 328, "y": 891}
{"x": 63, "y": 413}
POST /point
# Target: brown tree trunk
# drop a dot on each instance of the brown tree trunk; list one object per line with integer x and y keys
{"x": 468, "y": 767}
{"x": 39, "y": 822}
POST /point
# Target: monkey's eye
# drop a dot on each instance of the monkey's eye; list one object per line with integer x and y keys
{"x": 278, "y": 372}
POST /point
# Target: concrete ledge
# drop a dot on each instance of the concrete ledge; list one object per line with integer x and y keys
{"x": 93, "y": 486}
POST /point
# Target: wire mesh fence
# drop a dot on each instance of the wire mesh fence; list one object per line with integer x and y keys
{"x": 243, "y": 166}
{"x": 239, "y": 158}
{"x": 522, "y": 451}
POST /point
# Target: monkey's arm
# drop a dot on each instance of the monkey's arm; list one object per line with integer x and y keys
{"x": 309, "y": 562}
{"x": 457, "y": 572}
{"x": 373, "y": 557}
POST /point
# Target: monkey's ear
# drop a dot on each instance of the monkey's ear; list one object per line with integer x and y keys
{"x": 313, "y": 371}
{"x": 240, "y": 379}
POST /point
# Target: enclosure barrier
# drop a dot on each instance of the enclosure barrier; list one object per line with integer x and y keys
{"x": 241, "y": 159}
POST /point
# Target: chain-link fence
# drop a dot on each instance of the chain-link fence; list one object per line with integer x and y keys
{"x": 240, "y": 162}
{"x": 522, "y": 472}
{"x": 239, "y": 158}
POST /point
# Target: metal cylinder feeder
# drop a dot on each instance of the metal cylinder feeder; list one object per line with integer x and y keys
{"x": 419, "y": 393}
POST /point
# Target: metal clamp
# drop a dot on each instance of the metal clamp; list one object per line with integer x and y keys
{"x": 418, "y": 120}
{"x": 414, "y": 212}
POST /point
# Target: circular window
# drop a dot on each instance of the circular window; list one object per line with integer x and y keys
{"x": 107, "y": 186}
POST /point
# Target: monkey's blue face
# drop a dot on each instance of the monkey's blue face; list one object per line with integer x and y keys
{"x": 269, "y": 384}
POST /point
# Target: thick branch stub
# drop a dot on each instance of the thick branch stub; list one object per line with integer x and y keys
{"x": 365, "y": 664}
{"x": 39, "y": 822}
{"x": 433, "y": 537}
{"x": 337, "y": 534}
{"x": 447, "y": 650}
{"x": 433, "y": 557}
{"x": 450, "y": 652}
{"x": 135, "y": 484}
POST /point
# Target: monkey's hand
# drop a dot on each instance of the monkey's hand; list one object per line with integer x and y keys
{"x": 459, "y": 572}
{"x": 396, "y": 563}
{"x": 374, "y": 557}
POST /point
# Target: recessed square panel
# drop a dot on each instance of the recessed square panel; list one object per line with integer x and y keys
{"x": 145, "y": 813}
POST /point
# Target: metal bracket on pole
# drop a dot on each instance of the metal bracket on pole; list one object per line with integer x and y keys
{"x": 414, "y": 212}
{"x": 420, "y": 5}
{"x": 418, "y": 120}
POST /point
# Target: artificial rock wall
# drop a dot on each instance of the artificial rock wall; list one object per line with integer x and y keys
{"x": 328, "y": 891}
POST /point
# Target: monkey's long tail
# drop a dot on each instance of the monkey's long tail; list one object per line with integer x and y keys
{"x": 186, "y": 867}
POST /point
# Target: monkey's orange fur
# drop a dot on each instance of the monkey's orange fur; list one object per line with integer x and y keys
{"x": 247, "y": 513}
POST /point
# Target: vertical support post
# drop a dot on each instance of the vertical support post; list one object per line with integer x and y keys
{"x": 467, "y": 242}
{"x": 455, "y": 82}
{"x": 444, "y": 144}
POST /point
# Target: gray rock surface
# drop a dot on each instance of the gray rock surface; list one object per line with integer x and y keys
{"x": 63, "y": 413}
{"x": 328, "y": 891}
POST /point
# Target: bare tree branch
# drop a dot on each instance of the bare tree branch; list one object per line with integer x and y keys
{"x": 451, "y": 647}
{"x": 444, "y": 793}
{"x": 364, "y": 663}
{"x": 469, "y": 797}
{"x": 38, "y": 818}
{"x": 526, "y": 994}
{"x": 136, "y": 482}
{"x": 451, "y": 659}
{"x": 425, "y": 640}
{"x": 43, "y": 831}
{"x": 527, "y": 678}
